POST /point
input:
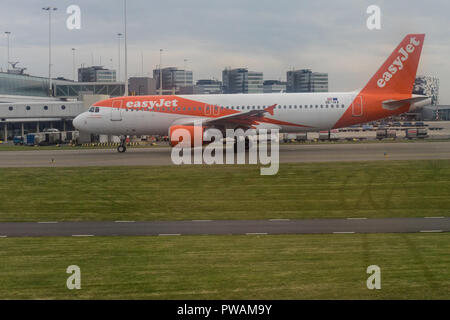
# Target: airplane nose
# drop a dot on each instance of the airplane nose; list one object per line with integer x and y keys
{"x": 78, "y": 121}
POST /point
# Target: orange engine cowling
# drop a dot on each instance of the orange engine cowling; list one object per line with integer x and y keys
{"x": 185, "y": 135}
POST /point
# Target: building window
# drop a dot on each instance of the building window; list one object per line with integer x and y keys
{"x": 28, "y": 107}
{"x": 63, "y": 107}
{"x": 45, "y": 107}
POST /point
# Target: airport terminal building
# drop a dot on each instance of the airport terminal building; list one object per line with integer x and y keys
{"x": 25, "y": 106}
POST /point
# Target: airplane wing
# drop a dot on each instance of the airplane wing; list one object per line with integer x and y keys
{"x": 248, "y": 118}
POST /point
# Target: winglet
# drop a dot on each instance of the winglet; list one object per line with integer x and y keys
{"x": 270, "y": 109}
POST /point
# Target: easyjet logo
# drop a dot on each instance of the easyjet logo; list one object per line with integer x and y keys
{"x": 153, "y": 103}
{"x": 398, "y": 63}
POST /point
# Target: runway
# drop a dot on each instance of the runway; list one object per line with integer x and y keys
{"x": 288, "y": 154}
{"x": 225, "y": 227}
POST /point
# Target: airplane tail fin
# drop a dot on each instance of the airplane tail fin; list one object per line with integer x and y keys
{"x": 398, "y": 73}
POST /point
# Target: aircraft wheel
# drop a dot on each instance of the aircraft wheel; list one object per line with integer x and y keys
{"x": 121, "y": 149}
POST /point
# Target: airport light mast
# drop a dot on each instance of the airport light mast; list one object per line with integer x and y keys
{"x": 118, "y": 73}
{"x": 73, "y": 57}
{"x": 50, "y": 9}
{"x": 8, "y": 33}
{"x": 160, "y": 72}
{"x": 126, "y": 49}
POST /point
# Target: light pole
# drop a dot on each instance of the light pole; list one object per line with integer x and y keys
{"x": 160, "y": 72}
{"x": 185, "y": 60}
{"x": 118, "y": 73}
{"x": 50, "y": 9}
{"x": 73, "y": 58}
{"x": 125, "y": 36}
{"x": 7, "y": 61}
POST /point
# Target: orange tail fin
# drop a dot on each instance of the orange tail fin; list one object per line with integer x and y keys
{"x": 398, "y": 72}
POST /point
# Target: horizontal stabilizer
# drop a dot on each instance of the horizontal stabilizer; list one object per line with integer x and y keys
{"x": 395, "y": 104}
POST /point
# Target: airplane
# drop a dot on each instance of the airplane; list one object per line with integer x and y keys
{"x": 388, "y": 93}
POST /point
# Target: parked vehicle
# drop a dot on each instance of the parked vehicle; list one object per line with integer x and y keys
{"x": 18, "y": 140}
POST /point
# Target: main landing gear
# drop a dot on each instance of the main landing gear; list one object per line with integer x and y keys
{"x": 123, "y": 145}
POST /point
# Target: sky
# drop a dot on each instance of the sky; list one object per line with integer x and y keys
{"x": 268, "y": 36}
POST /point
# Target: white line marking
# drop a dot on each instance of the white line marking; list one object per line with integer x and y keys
{"x": 124, "y": 221}
{"x": 343, "y": 232}
{"x": 169, "y": 234}
{"x": 434, "y": 217}
{"x": 3, "y": 236}
{"x": 356, "y": 218}
{"x": 255, "y": 233}
{"x": 82, "y": 235}
{"x": 279, "y": 219}
{"x": 47, "y": 222}
{"x": 431, "y": 231}
{"x": 201, "y": 220}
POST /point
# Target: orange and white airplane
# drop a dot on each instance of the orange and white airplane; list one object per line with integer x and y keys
{"x": 388, "y": 92}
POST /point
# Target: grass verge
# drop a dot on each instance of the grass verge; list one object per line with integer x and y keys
{"x": 413, "y": 266}
{"x": 314, "y": 190}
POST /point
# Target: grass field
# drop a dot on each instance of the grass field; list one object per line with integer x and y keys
{"x": 413, "y": 266}
{"x": 318, "y": 190}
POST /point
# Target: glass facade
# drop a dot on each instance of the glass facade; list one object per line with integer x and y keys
{"x": 23, "y": 85}
{"x": 242, "y": 81}
{"x": 306, "y": 81}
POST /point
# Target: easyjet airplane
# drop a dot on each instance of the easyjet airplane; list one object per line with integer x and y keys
{"x": 388, "y": 92}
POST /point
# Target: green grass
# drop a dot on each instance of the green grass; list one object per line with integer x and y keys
{"x": 316, "y": 190}
{"x": 413, "y": 266}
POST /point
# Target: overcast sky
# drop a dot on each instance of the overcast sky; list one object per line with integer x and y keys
{"x": 263, "y": 35}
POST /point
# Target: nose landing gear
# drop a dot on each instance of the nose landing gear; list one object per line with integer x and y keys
{"x": 123, "y": 145}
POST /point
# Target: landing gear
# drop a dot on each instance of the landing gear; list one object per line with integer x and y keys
{"x": 123, "y": 145}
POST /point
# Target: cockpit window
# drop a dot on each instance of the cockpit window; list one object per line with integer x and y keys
{"x": 97, "y": 109}
{"x": 91, "y": 109}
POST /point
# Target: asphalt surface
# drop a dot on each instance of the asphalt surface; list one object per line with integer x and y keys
{"x": 224, "y": 227}
{"x": 288, "y": 154}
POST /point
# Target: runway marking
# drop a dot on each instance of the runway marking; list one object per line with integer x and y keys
{"x": 82, "y": 235}
{"x": 343, "y": 232}
{"x": 279, "y": 219}
{"x": 124, "y": 221}
{"x": 3, "y": 236}
{"x": 47, "y": 221}
{"x": 169, "y": 234}
{"x": 256, "y": 233}
{"x": 426, "y": 231}
{"x": 201, "y": 220}
{"x": 356, "y": 218}
{"x": 434, "y": 217}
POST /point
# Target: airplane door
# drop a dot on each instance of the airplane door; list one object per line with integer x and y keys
{"x": 116, "y": 110}
{"x": 357, "y": 107}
